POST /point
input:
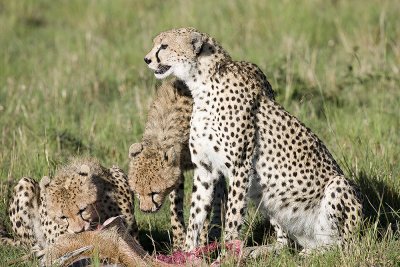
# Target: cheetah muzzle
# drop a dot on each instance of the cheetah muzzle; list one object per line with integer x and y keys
{"x": 162, "y": 69}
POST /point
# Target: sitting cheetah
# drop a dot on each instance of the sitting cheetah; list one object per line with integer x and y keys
{"x": 239, "y": 131}
{"x": 157, "y": 163}
{"x": 80, "y": 196}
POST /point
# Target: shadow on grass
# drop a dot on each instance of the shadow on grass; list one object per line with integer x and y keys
{"x": 381, "y": 202}
{"x": 156, "y": 240}
{"x": 261, "y": 233}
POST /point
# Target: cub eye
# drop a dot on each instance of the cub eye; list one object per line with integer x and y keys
{"x": 82, "y": 210}
{"x": 165, "y": 157}
{"x": 163, "y": 46}
{"x": 63, "y": 217}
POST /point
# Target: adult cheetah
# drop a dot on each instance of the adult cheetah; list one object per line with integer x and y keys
{"x": 80, "y": 196}
{"x": 158, "y": 161}
{"x": 239, "y": 131}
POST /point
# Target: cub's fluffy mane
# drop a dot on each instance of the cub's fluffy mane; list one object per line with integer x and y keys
{"x": 164, "y": 115}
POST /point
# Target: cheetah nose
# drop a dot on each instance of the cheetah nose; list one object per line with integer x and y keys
{"x": 147, "y": 60}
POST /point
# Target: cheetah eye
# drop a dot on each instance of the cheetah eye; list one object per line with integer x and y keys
{"x": 163, "y": 46}
{"x": 165, "y": 156}
{"x": 154, "y": 193}
{"x": 63, "y": 217}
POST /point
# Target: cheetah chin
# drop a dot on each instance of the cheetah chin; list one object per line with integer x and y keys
{"x": 162, "y": 69}
{"x": 155, "y": 208}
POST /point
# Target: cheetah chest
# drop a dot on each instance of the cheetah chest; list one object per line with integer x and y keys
{"x": 205, "y": 145}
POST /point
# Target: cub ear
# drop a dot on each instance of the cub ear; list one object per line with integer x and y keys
{"x": 44, "y": 183}
{"x": 135, "y": 149}
{"x": 197, "y": 41}
{"x": 87, "y": 180}
{"x": 84, "y": 170}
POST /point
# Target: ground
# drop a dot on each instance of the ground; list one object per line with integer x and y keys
{"x": 72, "y": 79}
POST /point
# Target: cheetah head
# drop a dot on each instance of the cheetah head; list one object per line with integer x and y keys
{"x": 71, "y": 198}
{"x": 153, "y": 174}
{"x": 175, "y": 52}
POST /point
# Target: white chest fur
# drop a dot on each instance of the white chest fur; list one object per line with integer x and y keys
{"x": 204, "y": 141}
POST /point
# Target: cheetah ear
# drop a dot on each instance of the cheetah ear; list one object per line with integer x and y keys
{"x": 44, "y": 183}
{"x": 86, "y": 180}
{"x": 197, "y": 41}
{"x": 84, "y": 170}
{"x": 135, "y": 149}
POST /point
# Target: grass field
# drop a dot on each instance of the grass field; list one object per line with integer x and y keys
{"x": 73, "y": 81}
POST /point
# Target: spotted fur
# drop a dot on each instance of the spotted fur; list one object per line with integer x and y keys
{"x": 157, "y": 163}
{"x": 79, "y": 197}
{"x": 240, "y": 131}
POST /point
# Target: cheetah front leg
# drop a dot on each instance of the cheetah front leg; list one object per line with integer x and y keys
{"x": 202, "y": 195}
{"x": 177, "y": 220}
{"x": 237, "y": 199}
{"x": 24, "y": 213}
{"x": 5, "y": 238}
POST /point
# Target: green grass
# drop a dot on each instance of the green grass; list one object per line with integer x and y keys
{"x": 73, "y": 81}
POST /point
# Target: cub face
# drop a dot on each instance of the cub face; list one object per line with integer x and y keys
{"x": 175, "y": 52}
{"x": 153, "y": 174}
{"x": 71, "y": 200}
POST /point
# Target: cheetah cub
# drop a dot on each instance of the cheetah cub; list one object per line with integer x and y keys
{"x": 238, "y": 130}
{"x": 79, "y": 197}
{"x": 157, "y": 163}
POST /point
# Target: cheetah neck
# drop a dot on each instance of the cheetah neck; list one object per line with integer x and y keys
{"x": 209, "y": 61}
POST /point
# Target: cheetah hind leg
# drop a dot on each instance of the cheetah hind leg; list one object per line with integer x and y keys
{"x": 23, "y": 212}
{"x": 177, "y": 221}
{"x": 282, "y": 241}
{"x": 340, "y": 214}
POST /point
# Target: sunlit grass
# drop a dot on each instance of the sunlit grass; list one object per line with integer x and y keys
{"x": 73, "y": 81}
